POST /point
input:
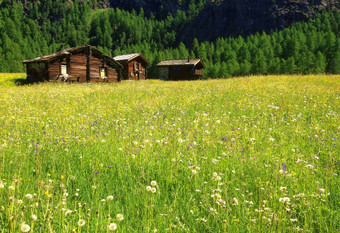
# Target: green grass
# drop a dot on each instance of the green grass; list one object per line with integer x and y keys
{"x": 12, "y": 79}
{"x": 223, "y": 154}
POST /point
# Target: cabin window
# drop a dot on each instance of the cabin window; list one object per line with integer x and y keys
{"x": 137, "y": 66}
{"x": 63, "y": 69}
{"x": 103, "y": 72}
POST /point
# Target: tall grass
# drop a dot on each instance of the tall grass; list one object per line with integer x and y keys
{"x": 12, "y": 79}
{"x": 255, "y": 154}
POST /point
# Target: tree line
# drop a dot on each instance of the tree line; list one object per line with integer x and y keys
{"x": 32, "y": 29}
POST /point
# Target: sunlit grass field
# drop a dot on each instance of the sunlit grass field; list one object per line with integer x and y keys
{"x": 252, "y": 154}
{"x": 11, "y": 79}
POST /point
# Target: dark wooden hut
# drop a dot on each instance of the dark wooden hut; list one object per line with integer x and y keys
{"x": 134, "y": 66}
{"x": 80, "y": 64}
{"x": 188, "y": 69}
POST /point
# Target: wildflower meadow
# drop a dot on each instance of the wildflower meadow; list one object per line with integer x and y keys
{"x": 250, "y": 154}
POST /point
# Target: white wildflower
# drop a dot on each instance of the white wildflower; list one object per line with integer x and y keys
{"x": 284, "y": 200}
{"x": 81, "y": 222}
{"x": 321, "y": 190}
{"x": 235, "y": 201}
{"x": 34, "y": 218}
{"x": 68, "y": 212}
{"x": 120, "y": 217}
{"x": 283, "y": 189}
{"x": 25, "y": 228}
{"x": 153, "y": 183}
{"x": 112, "y": 227}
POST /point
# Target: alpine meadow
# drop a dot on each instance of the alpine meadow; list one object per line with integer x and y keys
{"x": 257, "y": 154}
{"x": 102, "y": 131}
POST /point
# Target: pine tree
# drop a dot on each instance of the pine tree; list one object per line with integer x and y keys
{"x": 335, "y": 60}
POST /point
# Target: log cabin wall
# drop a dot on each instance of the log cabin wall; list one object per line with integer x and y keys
{"x": 136, "y": 70}
{"x": 181, "y": 73}
{"x": 36, "y": 72}
{"x": 134, "y": 66}
{"x": 125, "y": 71}
{"x": 95, "y": 64}
{"x": 83, "y": 64}
{"x": 78, "y": 67}
{"x": 131, "y": 75}
{"x": 141, "y": 71}
{"x": 112, "y": 75}
{"x": 53, "y": 70}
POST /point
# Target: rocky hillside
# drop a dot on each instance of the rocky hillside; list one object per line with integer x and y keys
{"x": 235, "y": 17}
{"x": 220, "y": 18}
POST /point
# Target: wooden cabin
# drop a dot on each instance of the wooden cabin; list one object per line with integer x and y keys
{"x": 188, "y": 69}
{"x": 80, "y": 64}
{"x": 134, "y": 66}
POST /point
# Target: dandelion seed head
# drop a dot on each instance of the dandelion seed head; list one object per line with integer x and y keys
{"x": 34, "y": 218}
{"x": 81, "y": 222}
{"x": 120, "y": 217}
{"x": 153, "y": 190}
{"x": 112, "y": 227}
{"x": 25, "y": 228}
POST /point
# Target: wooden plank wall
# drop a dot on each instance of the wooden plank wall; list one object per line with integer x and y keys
{"x": 181, "y": 73}
{"x": 112, "y": 75}
{"x": 53, "y": 70}
{"x": 95, "y": 64}
{"x": 142, "y": 72}
{"x": 78, "y": 67}
{"x": 131, "y": 71}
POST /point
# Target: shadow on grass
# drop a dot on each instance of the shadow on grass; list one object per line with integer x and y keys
{"x": 21, "y": 81}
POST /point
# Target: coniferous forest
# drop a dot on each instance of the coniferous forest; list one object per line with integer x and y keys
{"x": 31, "y": 29}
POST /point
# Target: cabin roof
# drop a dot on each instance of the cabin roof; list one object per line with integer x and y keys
{"x": 129, "y": 57}
{"x": 182, "y": 62}
{"x": 68, "y": 51}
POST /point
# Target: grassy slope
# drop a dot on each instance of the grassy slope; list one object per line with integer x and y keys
{"x": 265, "y": 138}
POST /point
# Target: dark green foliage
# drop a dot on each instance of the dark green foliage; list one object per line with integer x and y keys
{"x": 34, "y": 29}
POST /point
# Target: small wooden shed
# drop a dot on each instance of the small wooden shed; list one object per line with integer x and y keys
{"x": 188, "y": 69}
{"x": 80, "y": 64}
{"x": 134, "y": 66}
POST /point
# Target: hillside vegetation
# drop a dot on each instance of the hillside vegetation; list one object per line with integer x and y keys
{"x": 30, "y": 29}
{"x": 257, "y": 154}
